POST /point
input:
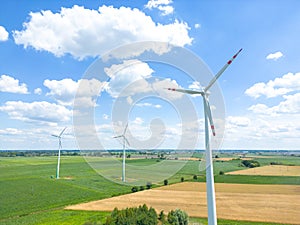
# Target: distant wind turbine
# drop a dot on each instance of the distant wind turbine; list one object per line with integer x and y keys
{"x": 124, "y": 147}
{"x": 211, "y": 202}
{"x": 59, "y": 148}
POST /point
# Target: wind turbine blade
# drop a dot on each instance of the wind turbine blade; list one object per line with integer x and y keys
{"x": 126, "y": 141}
{"x": 118, "y": 136}
{"x": 53, "y": 135}
{"x": 62, "y": 131}
{"x": 221, "y": 71}
{"x": 125, "y": 129}
{"x": 209, "y": 115}
{"x": 186, "y": 91}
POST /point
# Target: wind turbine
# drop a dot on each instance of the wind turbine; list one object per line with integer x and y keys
{"x": 124, "y": 146}
{"x": 211, "y": 202}
{"x": 59, "y": 148}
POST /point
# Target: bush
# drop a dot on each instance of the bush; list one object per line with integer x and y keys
{"x": 182, "y": 179}
{"x": 148, "y": 185}
{"x": 166, "y": 182}
{"x": 142, "y": 188}
{"x": 134, "y": 189}
{"x": 178, "y": 217}
{"x": 221, "y": 172}
{"x": 141, "y": 216}
{"x": 276, "y": 163}
{"x": 250, "y": 163}
{"x": 195, "y": 177}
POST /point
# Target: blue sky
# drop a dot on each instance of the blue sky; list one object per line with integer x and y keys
{"x": 47, "y": 48}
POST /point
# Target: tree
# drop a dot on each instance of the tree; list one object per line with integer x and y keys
{"x": 195, "y": 177}
{"x": 141, "y": 215}
{"x": 178, "y": 217}
{"x": 221, "y": 172}
{"x": 148, "y": 185}
{"x": 166, "y": 182}
{"x": 134, "y": 189}
{"x": 162, "y": 217}
{"x": 182, "y": 179}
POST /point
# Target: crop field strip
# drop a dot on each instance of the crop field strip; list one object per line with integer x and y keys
{"x": 265, "y": 203}
{"x": 271, "y": 170}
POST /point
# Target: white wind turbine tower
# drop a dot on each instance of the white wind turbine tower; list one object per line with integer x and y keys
{"x": 211, "y": 202}
{"x": 59, "y": 148}
{"x": 124, "y": 147}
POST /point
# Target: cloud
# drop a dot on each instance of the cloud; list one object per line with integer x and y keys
{"x": 38, "y": 91}
{"x": 197, "y": 26}
{"x": 274, "y": 56}
{"x": 11, "y": 85}
{"x": 11, "y": 131}
{"x": 105, "y": 116}
{"x": 126, "y": 73}
{"x": 138, "y": 120}
{"x": 279, "y": 86}
{"x": 43, "y": 112}
{"x": 64, "y": 91}
{"x": 238, "y": 121}
{"x": 3, "y": 34}
{"x": 290, "y": 105}
{"x": 162, "y": 5}
{"x": 146, "y": 104}
{"x": 84, "y": 32}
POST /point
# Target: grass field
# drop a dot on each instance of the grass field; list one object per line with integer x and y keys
{"x": 30, "y": 196}
{"x": 265, "y": 203}
{"x": 27, "y": 187}
{"x": 271, "y": 170}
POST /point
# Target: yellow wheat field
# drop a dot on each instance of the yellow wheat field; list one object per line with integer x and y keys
{"x": 268, "y": 203}
{"x": 272, "y": 170}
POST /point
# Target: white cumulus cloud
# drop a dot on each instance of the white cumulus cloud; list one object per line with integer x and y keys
{"x": 3, "y": 34}
{"x": 43, "y": 112}
{"x": 279, "y": 86}
{"x": 12, "y": 85}
{"x": 125, "y": 74}
{"x": 290, "y": 105}
{"x": 274, "y": 56}
{"x": 38, "y": 91}
{"x": 84, "y": 32}
{"x": 162, "y": 5}
{"x": 64, "y": 91}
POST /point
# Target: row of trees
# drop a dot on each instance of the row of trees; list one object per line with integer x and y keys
{"x": 143, "y": 215}
{"x": 30, "y": 153}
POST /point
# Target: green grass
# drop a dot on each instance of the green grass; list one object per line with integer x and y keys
{"x": 29, "y": 195}
{"x": 61, "y": 217}
{"x": 203, "y": 221}
{"x": 192, "y": 167}
{"x": 27, "y": 187}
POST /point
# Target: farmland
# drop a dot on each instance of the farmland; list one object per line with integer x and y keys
{"x": 30, "y": 196}
{"x": 271, "y": 170}
{"x": 234, "y": 201}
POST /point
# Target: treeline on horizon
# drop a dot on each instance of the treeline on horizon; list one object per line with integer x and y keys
{"x": 30, "y": 153}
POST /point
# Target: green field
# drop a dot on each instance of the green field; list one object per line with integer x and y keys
{"x": 29, "y": 195}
